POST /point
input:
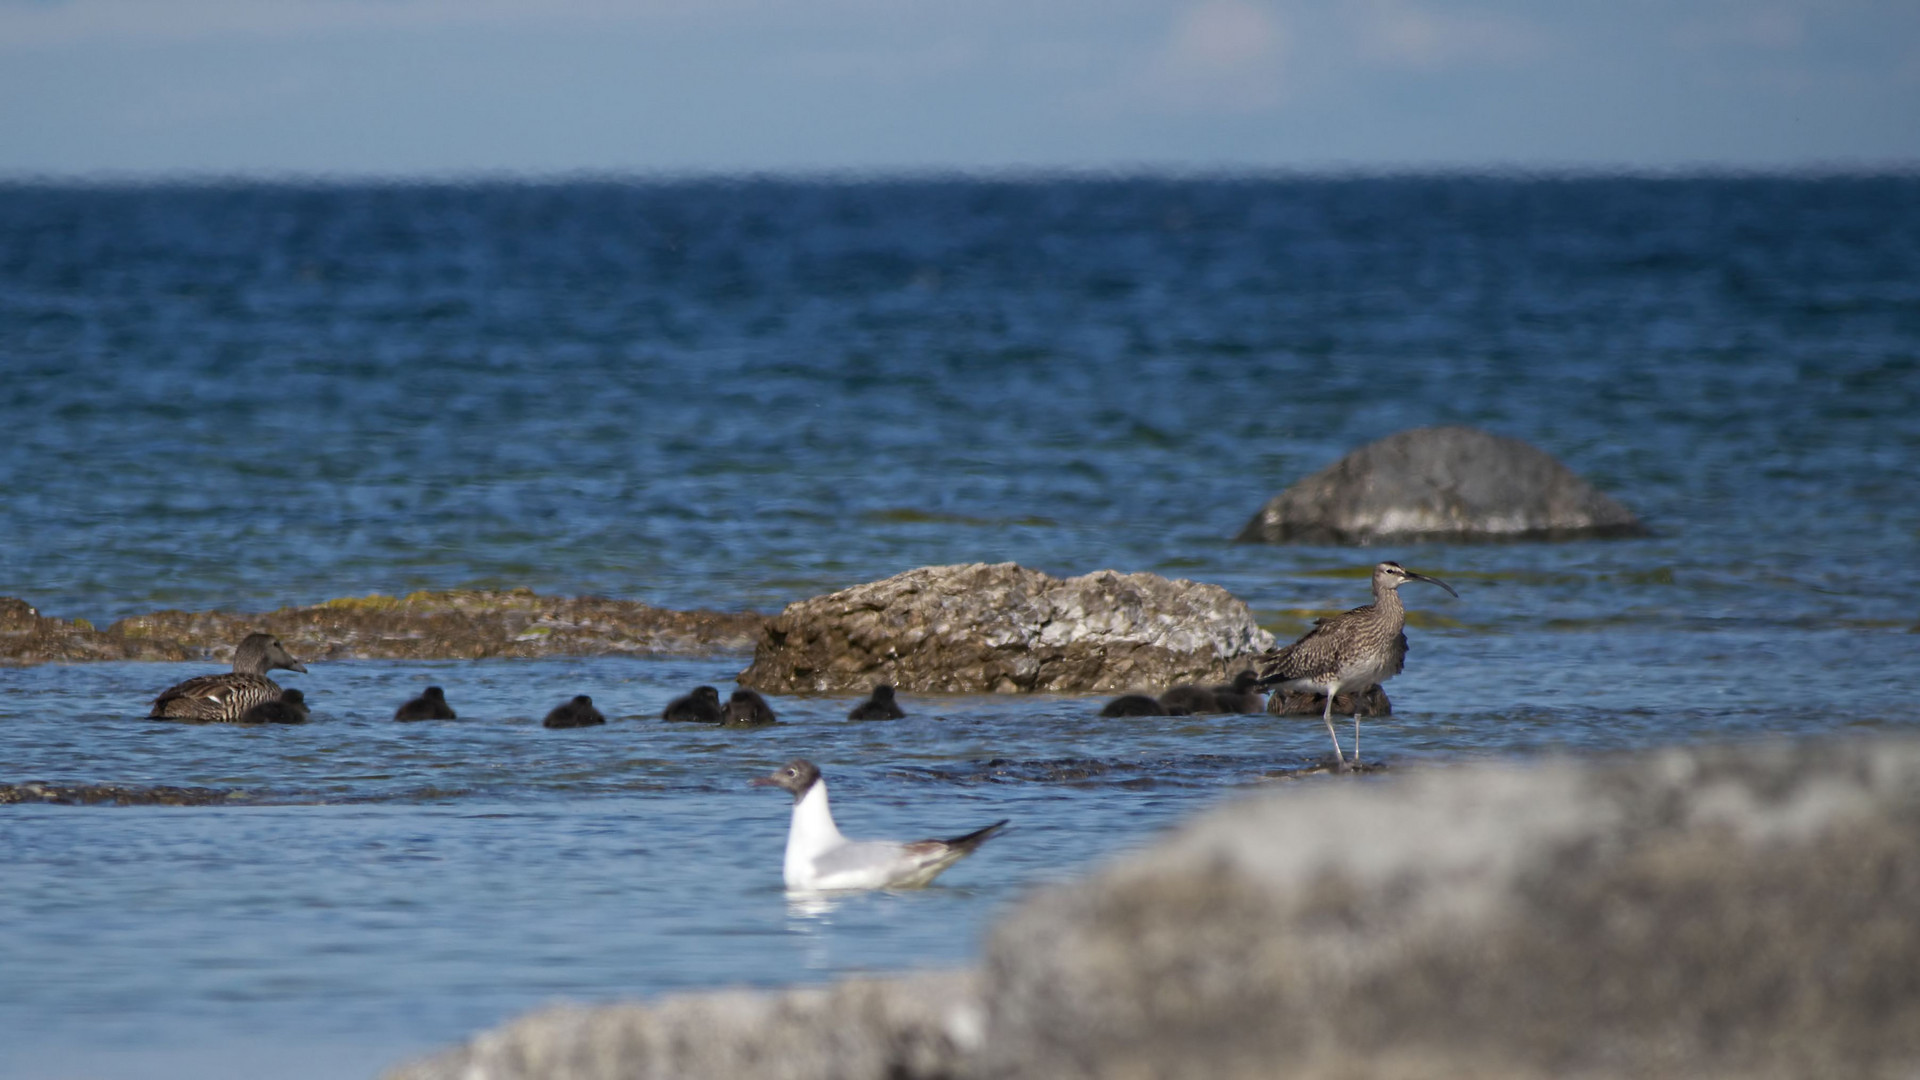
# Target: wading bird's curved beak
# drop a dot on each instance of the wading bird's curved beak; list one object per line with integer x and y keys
{"x": 1433, "y": 581}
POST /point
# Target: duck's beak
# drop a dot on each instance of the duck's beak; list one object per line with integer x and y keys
{"x": 1433, "y": 581}
{"x": 296, "y": 665}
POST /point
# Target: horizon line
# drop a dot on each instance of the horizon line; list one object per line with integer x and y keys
{"x": 858, "y": 175}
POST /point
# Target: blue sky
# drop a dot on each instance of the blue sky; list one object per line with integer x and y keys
{"x": 406, "y": 87}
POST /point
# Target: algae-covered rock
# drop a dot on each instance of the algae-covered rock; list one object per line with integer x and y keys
{"x": 1003, "y": 628}
{"x": 28, "y": 637}
{"x": 460, "y": 625}
{"x": 463, "y": 625}
{"x": 1441, "y": 483}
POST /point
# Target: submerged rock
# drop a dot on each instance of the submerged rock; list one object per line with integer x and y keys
{"x": 118, "y": 794}
{"x": 1441, "y": 483}
{"x": 1744, "y": 910}
{"x": 1002, "y": 628}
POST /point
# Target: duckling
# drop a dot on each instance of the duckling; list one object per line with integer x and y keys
{"x": 576, "y": 713}
{"x": 747, "y": 709}
{"x": 289, "y": 708}
{"x": 1242, "y": 695}
{"x": 700, "y": 707}
{"x": 1134, "y": 705}
{"x": 879, "y": 706}
{"x": 1187, "y": 699}
{"x": 431, "y": 705}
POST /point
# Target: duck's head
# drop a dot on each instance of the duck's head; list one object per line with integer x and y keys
{"x": 260, "y": 653}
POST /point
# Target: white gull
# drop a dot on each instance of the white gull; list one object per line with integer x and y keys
{"x": 819, "y": 859}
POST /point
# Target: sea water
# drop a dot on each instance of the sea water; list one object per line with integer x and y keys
{"x": 734, "y": 395}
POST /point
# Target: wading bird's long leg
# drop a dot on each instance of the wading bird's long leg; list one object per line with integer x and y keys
{"x": 1356, "y": 729}
{"x": 1328, "y": 717}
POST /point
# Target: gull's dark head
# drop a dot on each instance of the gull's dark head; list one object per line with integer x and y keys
{"x": 796, "y": 777}
{"x": 1393, "y": 575}
{"x": 259, "y": 653}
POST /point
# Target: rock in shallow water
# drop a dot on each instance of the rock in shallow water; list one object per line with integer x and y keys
{"x": 1441, "y": 483}
{"x": 1724, "y": 911}
{"x": 1002, "y": 628}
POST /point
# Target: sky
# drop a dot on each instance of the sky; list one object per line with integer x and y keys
{"x": 538, "y": 87}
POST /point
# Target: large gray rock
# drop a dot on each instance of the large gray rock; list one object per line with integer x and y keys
{"x": 1741, "y": 911}
{"x": 1003, "y": 628}
{"x": 1745, "y": 911}
{"x": 1441, "y": 483}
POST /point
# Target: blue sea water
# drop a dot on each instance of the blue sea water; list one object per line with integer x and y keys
{"x": 734, "y": 395}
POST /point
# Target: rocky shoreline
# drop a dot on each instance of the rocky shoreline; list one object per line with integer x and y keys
{"x": 1740, "y": 910}
{"x": 970, "y": 629}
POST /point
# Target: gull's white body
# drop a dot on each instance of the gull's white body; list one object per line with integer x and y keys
{"x": 820, "y": 859}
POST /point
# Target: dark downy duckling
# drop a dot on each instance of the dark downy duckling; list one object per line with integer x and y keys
{"x": 1133, "y": 705}
{"x": 576, "y": 713}
{"x": 1242, "y": 695}
{"x": 289, "y": 708}
{"x": 747, "y": 709}
{"x": 431, "y": 705}
{"x": 880, "y": 706}
{"x": 225, "y": 697}
{"x": 1189, "y": 700}
{"x": 700, "y": 707}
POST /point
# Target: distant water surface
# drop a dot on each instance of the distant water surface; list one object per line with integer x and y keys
{"x": 736, "y": 395}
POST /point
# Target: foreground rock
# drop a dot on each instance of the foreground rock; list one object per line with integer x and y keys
{"x": 1441, "y": 483}
{"x": 1002, "y": 628}
{"x": 911, "y": 1027}
{"x": 517, "y": 624}
{"x": 1741, "y": 911}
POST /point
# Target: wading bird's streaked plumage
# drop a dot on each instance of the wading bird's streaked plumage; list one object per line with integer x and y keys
{"x": 1350, "y": 651}
{"x": 224, "y": 698}
{"x": 820, "y": 859}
